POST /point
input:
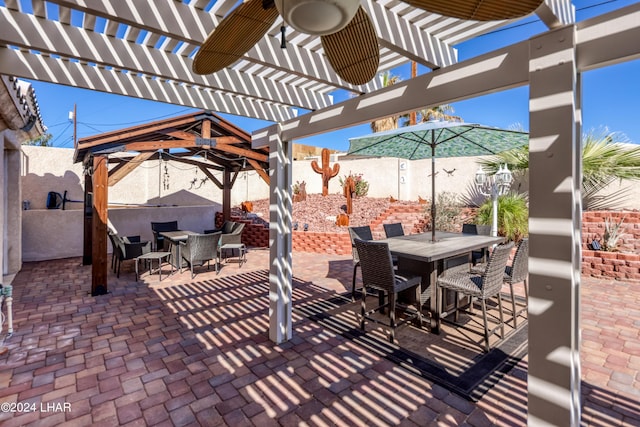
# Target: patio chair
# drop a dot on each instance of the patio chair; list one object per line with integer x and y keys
{"x": 232, "y": 240}
{"x": 515, "y": 273}
{"x": 362, "y": 233}
{"x": 227, "y": 227}
{"x": 378, "y": 273}
{"x": 115, "y": 246}
{"x": 393, "y": 230}
{"x": 126, "y": 248}
{"x": 482, "y": 286}
{"x": 485, "y": 230}
{"x": 518, "y": 272}
{"x": 201, "y": 248}
{"x": 159, "y": 227}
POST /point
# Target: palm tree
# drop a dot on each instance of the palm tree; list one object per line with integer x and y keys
{"x": 391, "y": 122}
{"x": 440, "y": 112}
{"x": 606, "y": 157}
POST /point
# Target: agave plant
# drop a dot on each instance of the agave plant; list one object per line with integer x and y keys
{"x": 612, "y": 233}
{"x": 606, "y": 158}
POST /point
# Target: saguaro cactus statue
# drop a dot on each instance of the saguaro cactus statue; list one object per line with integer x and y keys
{"x": 326, "y": 172}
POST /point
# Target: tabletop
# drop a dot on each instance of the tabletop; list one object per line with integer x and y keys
{"x": 420, "y": 247}
{"x": 177, "y": 235}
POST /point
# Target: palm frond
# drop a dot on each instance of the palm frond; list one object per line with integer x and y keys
{"x": 606, "y": 157}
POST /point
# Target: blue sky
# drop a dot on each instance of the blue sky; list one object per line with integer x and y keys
{"x": 610, "y": 97}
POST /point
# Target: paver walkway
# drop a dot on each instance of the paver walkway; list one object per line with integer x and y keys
{"x": 196, "y": 352}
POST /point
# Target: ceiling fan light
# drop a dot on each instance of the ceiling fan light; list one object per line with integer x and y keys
{"x": 317, "y": 17}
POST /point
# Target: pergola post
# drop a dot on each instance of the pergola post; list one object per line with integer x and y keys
{"x": 99, "y": 225}
{"x": 280, "y": 270}
{"x": 555, "y": 220}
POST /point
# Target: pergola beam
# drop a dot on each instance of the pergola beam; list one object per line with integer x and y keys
{"x": 211, "y": 176}
{"x": 55, "y": 70}
{"x": 498, "y": 70}
{"x": 92, "y": 47}
{"x": 261, "y": 172}
{"x": 122, "y": 170}
{"x": 400, "y": 36}
{"x": 604, "y": 40}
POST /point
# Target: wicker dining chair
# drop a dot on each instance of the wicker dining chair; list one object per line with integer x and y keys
{"x": 393, "y": 230}
{"x": 159, "y": 227}
{"x": 201, "y": 248}
{"x": 485, "y": 230}
{"x": 126, "y": 248}
{"x": 481, "y": 286}
{"x": 233, "y": 237}
{"x": 378, "y": 273}
{"x": 362, "y": 233}
{"x": 518, "y": 272}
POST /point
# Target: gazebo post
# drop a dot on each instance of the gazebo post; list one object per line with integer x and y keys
{"x": 88, "y": 219}
{"x": 99, "y": 223}
{"x": 226, "y": 194}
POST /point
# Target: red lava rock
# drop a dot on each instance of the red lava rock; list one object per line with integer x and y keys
{"x": 320, "y": 211}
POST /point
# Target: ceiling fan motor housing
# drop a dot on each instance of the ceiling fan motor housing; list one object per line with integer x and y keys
{"x": 317, "y": 17}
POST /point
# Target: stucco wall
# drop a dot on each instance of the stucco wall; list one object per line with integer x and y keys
{"x": 178, "y": 192}
{"x": 166, "y": 183}
{"x": 54, "y": 233}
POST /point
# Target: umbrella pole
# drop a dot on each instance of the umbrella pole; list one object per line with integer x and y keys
{"x": 433, "y": 193}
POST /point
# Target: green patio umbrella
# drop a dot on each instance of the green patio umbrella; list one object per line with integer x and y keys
{"x": 437, "y": 139}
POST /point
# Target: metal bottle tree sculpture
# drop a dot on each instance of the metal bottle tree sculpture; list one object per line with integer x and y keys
{"x": 326, "y": 172}
{"x": 349, "y": 190}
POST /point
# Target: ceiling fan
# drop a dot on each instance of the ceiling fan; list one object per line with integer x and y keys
{"x": 348, "y": 36}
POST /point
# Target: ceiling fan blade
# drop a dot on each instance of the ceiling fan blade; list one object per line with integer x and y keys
{"x": 234, "y": 36}
{"x": 478, "y": 10}
{"x": 353, "y": 52}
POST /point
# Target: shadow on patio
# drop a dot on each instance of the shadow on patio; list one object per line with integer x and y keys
{"x": 181, "y": 352}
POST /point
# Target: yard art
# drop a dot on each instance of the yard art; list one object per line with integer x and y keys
{"x": 326, "y": 172}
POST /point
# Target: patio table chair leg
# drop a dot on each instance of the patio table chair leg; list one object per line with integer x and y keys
{"x": 392, "y": 316}
{"x": 363, "y": 307}
{"x": 353, "y": 283}
{"x": 486, "y": 325}
{"x": 418, "y": 307}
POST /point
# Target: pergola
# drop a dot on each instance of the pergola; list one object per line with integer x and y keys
{"x": 202, "y": 139}
{"x": 145, "y": 49}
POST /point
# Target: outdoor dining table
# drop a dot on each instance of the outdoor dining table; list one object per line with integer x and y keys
{"x": 417, "y": 253}
{"x": 175, "y": 238}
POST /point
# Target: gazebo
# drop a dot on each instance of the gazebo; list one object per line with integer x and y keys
{"x": 202, "y": 139}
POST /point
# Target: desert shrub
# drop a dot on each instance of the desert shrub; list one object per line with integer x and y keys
{"x": 447, "y": 212}
{"x": 513, "y": 216}
{"x": 362, "y": 186}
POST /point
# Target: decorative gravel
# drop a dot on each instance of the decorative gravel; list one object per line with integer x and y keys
{"x": 320, "y": 211}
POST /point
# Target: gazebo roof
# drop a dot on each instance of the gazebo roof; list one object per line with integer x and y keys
{"x": 201, "y": 138}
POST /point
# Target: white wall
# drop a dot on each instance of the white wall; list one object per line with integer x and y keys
{"x": 53, "y": 233}
{"x": 46, "y": 169}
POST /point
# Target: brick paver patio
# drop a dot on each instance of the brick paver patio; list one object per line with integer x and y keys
{"x": 196, "y": 352}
